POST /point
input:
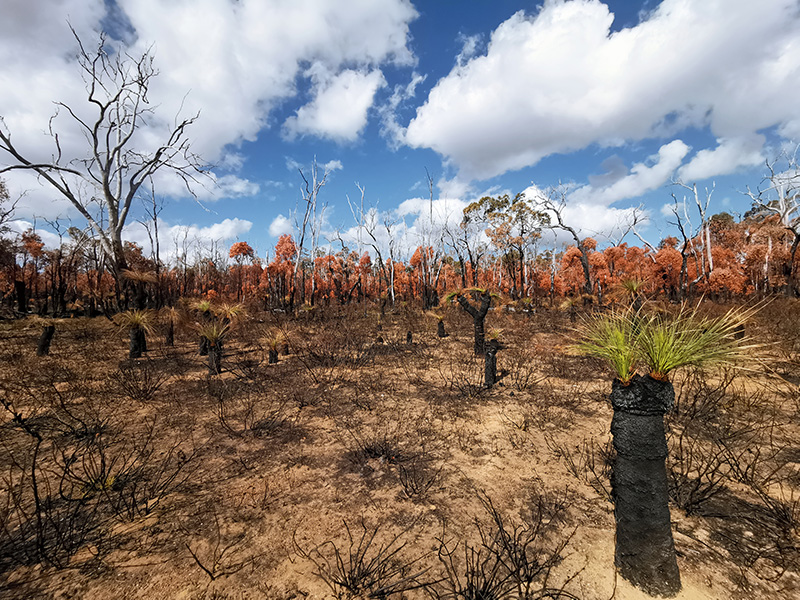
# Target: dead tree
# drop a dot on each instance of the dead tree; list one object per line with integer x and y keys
{"x": 118, "y": 161}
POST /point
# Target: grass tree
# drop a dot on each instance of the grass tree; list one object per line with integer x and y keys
{"x": 138, "y": 323}
{"x": 477, "y": 312}
{"x": 658, "y": 345}
{"x": 203, "y": 309}
{"x": 213, "y": 332}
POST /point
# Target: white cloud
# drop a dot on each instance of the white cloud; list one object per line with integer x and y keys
{"x": 560, "y": 81}
{"x": 232, "y": 62}
{"x": 640, "y": 180}
{"x": 729, "y": 155}
{"x": 391, "y": 129}
{"x": 339, "y": 108}
{"x": 280, "y": 226}
{"x": 333, "y": 165}
{"x": 470, "y": 44}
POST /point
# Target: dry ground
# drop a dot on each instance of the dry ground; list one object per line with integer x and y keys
{"x": 354, "y": 458}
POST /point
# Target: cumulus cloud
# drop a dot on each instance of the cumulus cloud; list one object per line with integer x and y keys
{"x": 643, "y": 177}
{"x": 729, "y": 155}
{"x": 192, "y": 241}
{"x": 560, "y": 80}
{"x": 231, "y": 62}
{"x": 339, "y": 108}
{"x": 280, "y": 226}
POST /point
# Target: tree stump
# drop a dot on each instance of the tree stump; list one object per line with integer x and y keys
{"x": 43, "y": 346}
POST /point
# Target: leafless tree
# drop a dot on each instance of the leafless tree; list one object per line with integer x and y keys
{"x": 779, "y": 194}
{"x": 309, "y": 222}
{"x": 115, "y": 166}
{"x": 554, "y": 202}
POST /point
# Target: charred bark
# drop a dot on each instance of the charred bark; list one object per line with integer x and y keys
{"x": 43, "y": 347}
{"x": 440, "y": 330}
{"x": 490, "y": 364}
{"x": 137, "y": 343}
{"x": 273, "y": 357}
{"x": 478, "y": 318}
{"x": 645, "y": 550}
{"x": 214, "y": 357}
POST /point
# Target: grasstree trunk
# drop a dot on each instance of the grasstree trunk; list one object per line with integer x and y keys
{"x": 169, "y": 337}
{"x": 272, "y": 356}
{"x": 215, "y": 357}
{"x": 490, "y": 365}
{"x": 440, "y": 330}
{"x": 137, "y": 343}
{"x": 43, "y": 347}
{"x": 409, "y": 338}
{"x": 478, "y": 315}
{"x": 645, "y": 552}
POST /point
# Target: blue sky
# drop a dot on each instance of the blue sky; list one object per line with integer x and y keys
{"x": 616, "y": 99}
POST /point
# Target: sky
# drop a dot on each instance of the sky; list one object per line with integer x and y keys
{"x": 614, "y": 100}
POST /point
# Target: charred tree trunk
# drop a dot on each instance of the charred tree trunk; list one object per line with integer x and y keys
{"x": 478, "y": 317}
{"x": 137, "y": 343}
{"x": 22, "y": 296}
{"x": 409, "y": 338}
{"x": 169, "y": 337}
{"x": 490, "y": 365}
{"x": 273, "y": 357}
{"x": 214, "y": 357}
{"x": 440, "y": 330}
{"x": 43, "y": 347}
{"x": 645, "y": 551}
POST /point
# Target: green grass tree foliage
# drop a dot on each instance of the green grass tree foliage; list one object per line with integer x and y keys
{"x": 658, "y": 344}
{"x": 138, "y": 323}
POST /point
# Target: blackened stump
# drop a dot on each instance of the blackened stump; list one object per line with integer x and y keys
{"x": 203, "y": 346}
{"x": 409, "y": 338}
{"x": 440, "y": 330}
{"x": 645, "y": 552}
{"x": 43, "y": 347}
{"x": 273, "y": 356}
{"x": 169, "y": 337}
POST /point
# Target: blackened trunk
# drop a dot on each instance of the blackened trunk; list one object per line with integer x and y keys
{"x": 409, "y": 338}
{"x": 273, "y": 356}
{"x": 490, "y": 365}
{"x": 136, "y": 338}
{"x": 645, "y": 551}
{"x": 142, "y": 340}
{"x": 203, "y": 346}
{"x": 215, "y": 357}
{"x": 479, "y": 334}
{"x": 169, "y": 337}
{"x": 22, "y": 296}
{"x": 43, "y": 347}
{"x": 440, "y": 330}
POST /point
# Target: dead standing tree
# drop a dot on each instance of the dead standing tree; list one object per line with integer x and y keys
{"x": 553, "y": 203}
{"x": 779, "y": 194}
{"x": 118, "y": 161}
{"x": 309, "y": 220}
